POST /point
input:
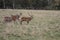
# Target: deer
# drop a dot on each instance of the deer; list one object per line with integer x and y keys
{"x": 12, "y": 18}
{"x": 16, "y": 17}
{"x": 7, "y": 19}
{"x": 27, "y": 19}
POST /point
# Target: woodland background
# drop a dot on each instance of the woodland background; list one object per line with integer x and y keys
{"x": 30, "y": 4}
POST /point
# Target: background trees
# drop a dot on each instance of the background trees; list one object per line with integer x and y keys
{"x": 30, "y": 4}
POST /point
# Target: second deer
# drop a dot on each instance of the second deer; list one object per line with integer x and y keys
{"x": 27, "y": 19}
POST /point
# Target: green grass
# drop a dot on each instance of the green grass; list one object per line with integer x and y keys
{"x": 1, "y": 38}
{"x": 44, "y": 26}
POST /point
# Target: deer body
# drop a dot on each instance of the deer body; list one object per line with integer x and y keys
{"x": 27, "y": 19}
{"x": 16, "y": 17}
{"x": 7, "y": 19}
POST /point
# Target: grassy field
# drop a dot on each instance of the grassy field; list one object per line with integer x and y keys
{"x": 45, "y": 25}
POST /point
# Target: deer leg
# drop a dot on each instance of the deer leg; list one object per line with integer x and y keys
{"x": 27, "y": 22}
{"x": 20, "y": 22}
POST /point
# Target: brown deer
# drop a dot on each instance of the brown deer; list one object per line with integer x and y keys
{"x": 7, "y": 19}
{"x": 16, "y": 17}
{"x": 27, "y": 19}
{"x": 12, "y": 18}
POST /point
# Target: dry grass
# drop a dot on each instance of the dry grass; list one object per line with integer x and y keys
{"x": 44, "y": 26}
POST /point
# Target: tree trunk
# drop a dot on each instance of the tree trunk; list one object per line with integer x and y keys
{"x": 13, "y": 4}
{"x": 3, "y": 3}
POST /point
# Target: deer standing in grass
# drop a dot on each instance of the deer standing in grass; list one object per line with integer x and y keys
{"x": 27, "y": 19}
{"x": 16, "y": 17}
{"x": 7, "y": 19}
{"x": 12, "y": 18}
